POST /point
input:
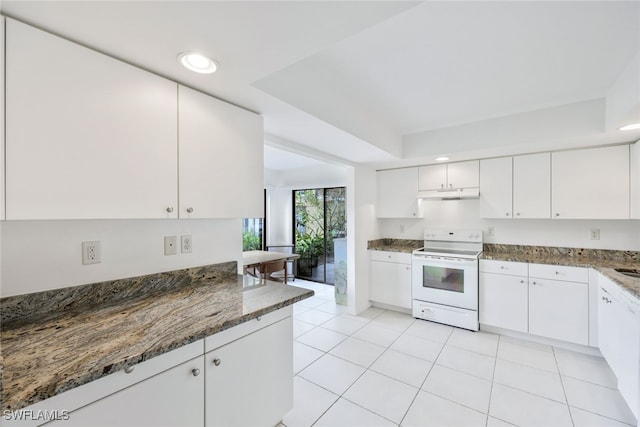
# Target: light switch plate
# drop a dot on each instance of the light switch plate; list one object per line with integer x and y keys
{"x": 170, "y": 245}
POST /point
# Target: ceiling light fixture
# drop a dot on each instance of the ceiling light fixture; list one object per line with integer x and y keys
{"x": 197, "y": 62}
{"x": 442, "y": 159}
{"x": 632, "y": 126}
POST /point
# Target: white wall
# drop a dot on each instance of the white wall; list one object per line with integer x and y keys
{"x": 310, "y": 177}
{"x": 623, "y": 98}
{"x": 43, "y": 255}
{"x": 614, "y": 234}
{"x": 362, "y": 227}
{"x": 279, "y": 214}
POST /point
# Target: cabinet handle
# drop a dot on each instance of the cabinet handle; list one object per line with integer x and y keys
{"x": 414, "y": 214}
{"x": 450, "y": 185}
{"x": 259, "y": 318}
{"x": 169, "y": 209}
{"x": 217, "y": 362}
{"x": 442, "y": 186}
{"x": 557, "y": 214}
{"x": 408, "y": 268}
{"x": 507, "y": 213}
{"x": 128, "y": 369}
{"x": 502, "y": 267}
{"x": 534, "y": 283}
{"x": 607, "y": 300}
{"x": 521, "y": 281}
{"x": 517, "y": 213}
{"x": 189, "y": 210}
{"x": 557, "y": 273}
{"x": 195, "y": 372}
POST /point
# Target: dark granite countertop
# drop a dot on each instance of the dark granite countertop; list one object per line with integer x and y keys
{"x": 605, "y": 261}
{"x": 49, "y": 354}
{"x": 604, "y": 264}
{"x": 395, "y": 245}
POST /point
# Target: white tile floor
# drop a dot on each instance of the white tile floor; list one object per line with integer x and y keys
{"x": 384, "y": 368}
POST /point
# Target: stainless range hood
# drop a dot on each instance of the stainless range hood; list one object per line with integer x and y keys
{"x": 450, "y": 194}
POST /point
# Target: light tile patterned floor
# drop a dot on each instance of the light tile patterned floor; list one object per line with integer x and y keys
{"x": 384, "y": 368}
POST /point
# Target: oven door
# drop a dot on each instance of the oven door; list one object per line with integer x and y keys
{"x": 443, "y": 280}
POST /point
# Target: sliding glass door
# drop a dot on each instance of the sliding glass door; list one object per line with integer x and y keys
{"x": 319, "y": 225}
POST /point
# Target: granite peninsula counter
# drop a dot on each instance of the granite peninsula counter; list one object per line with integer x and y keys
{"x": 54, "y": 341}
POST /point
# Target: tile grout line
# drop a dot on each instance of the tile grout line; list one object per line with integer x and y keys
{"x": 347, "y": 389}
{"x": 426, "y": 376}
{"x": 493, "y": 378}
{"x": 564, "y": 391}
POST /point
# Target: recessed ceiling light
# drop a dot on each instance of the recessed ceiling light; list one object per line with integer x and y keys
{"x": 197, "y": 62}
{"x": 632, "y": 126}
{"x": 442, "y": 159}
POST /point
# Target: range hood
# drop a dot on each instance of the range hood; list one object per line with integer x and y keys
{"x": 450, "y": 194}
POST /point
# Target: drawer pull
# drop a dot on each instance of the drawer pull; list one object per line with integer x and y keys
{"x": 217, "y": 362}
{"x": 195, "y": 372}
{"x": 128, "y": 369}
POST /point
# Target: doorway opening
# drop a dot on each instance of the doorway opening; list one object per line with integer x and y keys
{"x": 320, "y": 231}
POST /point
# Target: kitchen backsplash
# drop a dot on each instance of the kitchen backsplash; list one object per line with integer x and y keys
{"x": 50, "y": 302}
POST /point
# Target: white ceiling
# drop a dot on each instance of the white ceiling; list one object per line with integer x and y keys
{"x": 359, "y": 79}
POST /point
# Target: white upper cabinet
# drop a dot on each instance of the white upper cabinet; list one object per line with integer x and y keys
{"x": 221, "y": 158}
{"x": 449, "y": 176}
{"x": 432, "y": 177}
{"x": 87, "y": 136}
{"x": 635, "y": 180}
{"x": 591, "y": 183}
{"x": 532, "y": 186}
{"x": 397, "y": 190}
{"x": 516, "y": 187}
{"x": 496, "y": 193}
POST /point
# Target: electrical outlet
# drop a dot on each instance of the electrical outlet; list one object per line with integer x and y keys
{"x": 491, "y": 232}
{"x": 186, "y": 243}
{"x": 170, "y": 245}
{"x": 595, "y": 234}
{"x": 91, "y": 253}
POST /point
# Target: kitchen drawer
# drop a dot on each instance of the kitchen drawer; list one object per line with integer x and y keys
{"x": 399, "y": 257}
{"x": 504, "y": 267}
{"x": 559, "y": 272}
{"x": 224, "y": 337}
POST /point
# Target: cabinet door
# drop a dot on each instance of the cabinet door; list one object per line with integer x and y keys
{"x": 221, "y": 152}
{"x": 495, "y": 188}
{"x": 172, "y": 398}
{"x": 532, "y": 186}
{"x": 463, "y": 174}
{"x": 397, "y": 190}
{"x": 391, "y": 283}
{"x": 433, "y": 177}
{"x": 591, "y": 183}
{"x": 249, "y": 382}
{"x": 87, "y": 136}
{"x": 619, "y": 339}
{"x": 504, "y": 301}
{"x": 559, "y": 310}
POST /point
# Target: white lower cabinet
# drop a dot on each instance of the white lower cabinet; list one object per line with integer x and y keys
{"x": 529, "y": 302}
{"x": 391, "y": 278}
{"x": 249, "y": 382}
{"x": 171, "y": 398}
{"x": 559, "y": 310}
{"x": 619, "y": 339}
{"x": 504, "y": 301}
